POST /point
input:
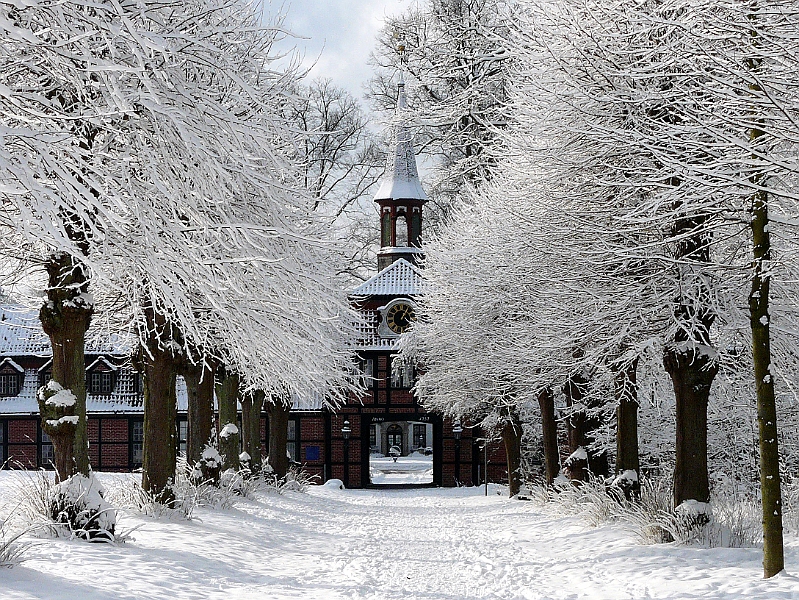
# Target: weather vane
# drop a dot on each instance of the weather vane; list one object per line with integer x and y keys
{"x": 401, "y": 46}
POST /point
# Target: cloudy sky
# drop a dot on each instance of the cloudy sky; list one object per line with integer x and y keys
{"x": 342, "y": 34}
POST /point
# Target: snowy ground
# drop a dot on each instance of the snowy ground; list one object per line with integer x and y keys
{"x": 384, "y": 544}
{"x": 413, "y": 469}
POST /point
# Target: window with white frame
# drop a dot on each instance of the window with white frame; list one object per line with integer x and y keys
{"x": 183, "y": 435}
{"x": 46, "y": 454}
{"x": 101, "y": 382}
{"x": 137, "y": 443}
{"x": 402, "y": 376}
{"x": 9, "y": 384}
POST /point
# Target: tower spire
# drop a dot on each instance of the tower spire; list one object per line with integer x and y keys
{"x": 400, "y": 194}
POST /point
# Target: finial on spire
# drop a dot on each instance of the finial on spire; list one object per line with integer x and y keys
{"x": 401, "y": 46}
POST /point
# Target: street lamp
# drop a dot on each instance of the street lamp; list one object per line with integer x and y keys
{"x": 345, "y": 433}
{"x": 457, "y": 430}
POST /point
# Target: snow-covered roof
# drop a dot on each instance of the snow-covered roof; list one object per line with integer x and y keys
{"x": 21, "y": 334}
{"x": 401, "y": 179}
{"x": 400, "y": 278}
{"x": 124, "y": 398}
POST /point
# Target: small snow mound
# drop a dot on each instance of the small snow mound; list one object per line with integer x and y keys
{"x": 694, "y": 508}
{"x": 211, "y": 456}
{"x": 62, "y": 398}
{"x": 561, "y": 479}
{"x": 335, "y": 484}
{"x": 73, "y": 419}
{"x": 228, "y": 430}
{"x": 78, "y": 503}
{"x": 627, "y": 477}
{"x": 579, "y": 454}
{"x": 244, "y": 457}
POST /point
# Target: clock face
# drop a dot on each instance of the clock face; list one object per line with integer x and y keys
{"x": 399, "y": 317}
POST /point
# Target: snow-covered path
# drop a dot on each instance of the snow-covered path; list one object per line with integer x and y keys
{"x": 388, "y": 544}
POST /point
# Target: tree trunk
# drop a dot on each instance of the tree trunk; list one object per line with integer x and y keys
{"x": 688, "y": 358}
{"x": 253, "y": 427}
{"x": 200, "y": 389}
{"x": 246, "y": 417}
{"x": 160, "y": 423}
{"x": 227, "y": 394}
{"x": 626, "y": 389}
{"x": 65, "y": 317}
{"x": 692, "y": 373}
{"x": 759, "y": 319}
{"x": 549, "y": 427}
{"x": 576, "y": 465}
{"x": 512, "y": 439}
{"x": 278, "y": 437}
{"x": 59, "y": 422}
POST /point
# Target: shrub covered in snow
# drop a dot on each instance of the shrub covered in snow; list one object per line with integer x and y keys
{"x": 732, "y": 523}
{"x": 79, "y": 505}
{"x": 75, "y": 507}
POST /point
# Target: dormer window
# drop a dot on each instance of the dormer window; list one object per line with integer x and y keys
{"x": 101, "y": 383}
{"x": 11, "y": 377}
{"x": 45, "y": 373}
{"x": 101, "y": 376}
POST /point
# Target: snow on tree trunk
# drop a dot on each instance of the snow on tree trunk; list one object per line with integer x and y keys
{"x": 59, "y": 421}
{"x": 278, "y": 437}
{"x": 689, "y": 358}
{"x": 200, "y": 390}
{"x": 771, "y": 496}
{"x": 227, "y": 394}
{"x": 759, "y": 319}
{"x": 549, "y": 430}
{"x": 627, "y": 459}
{"x": 692, "y": 375}
{"x": 246, "y": 417}
{"x": 577, "y": 463}
{"x": 65, "y": 317}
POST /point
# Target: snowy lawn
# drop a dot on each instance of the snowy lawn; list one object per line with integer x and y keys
{"x": 387, "y": 544}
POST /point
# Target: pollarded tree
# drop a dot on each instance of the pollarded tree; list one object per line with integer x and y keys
{"x": 615, "y": 98}
{"x": 750, "y": 117}
{"x": 63, "y": 108}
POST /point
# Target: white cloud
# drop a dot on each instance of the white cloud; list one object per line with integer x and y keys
{"x": 341, "y": 35}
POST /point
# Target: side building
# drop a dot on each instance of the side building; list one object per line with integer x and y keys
{"x": 114, "y": 402}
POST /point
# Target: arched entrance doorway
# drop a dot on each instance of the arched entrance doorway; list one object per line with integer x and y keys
{"x": 394, "y": 437}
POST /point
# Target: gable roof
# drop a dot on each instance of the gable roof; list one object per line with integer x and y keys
{"x": 400, "y": 278}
